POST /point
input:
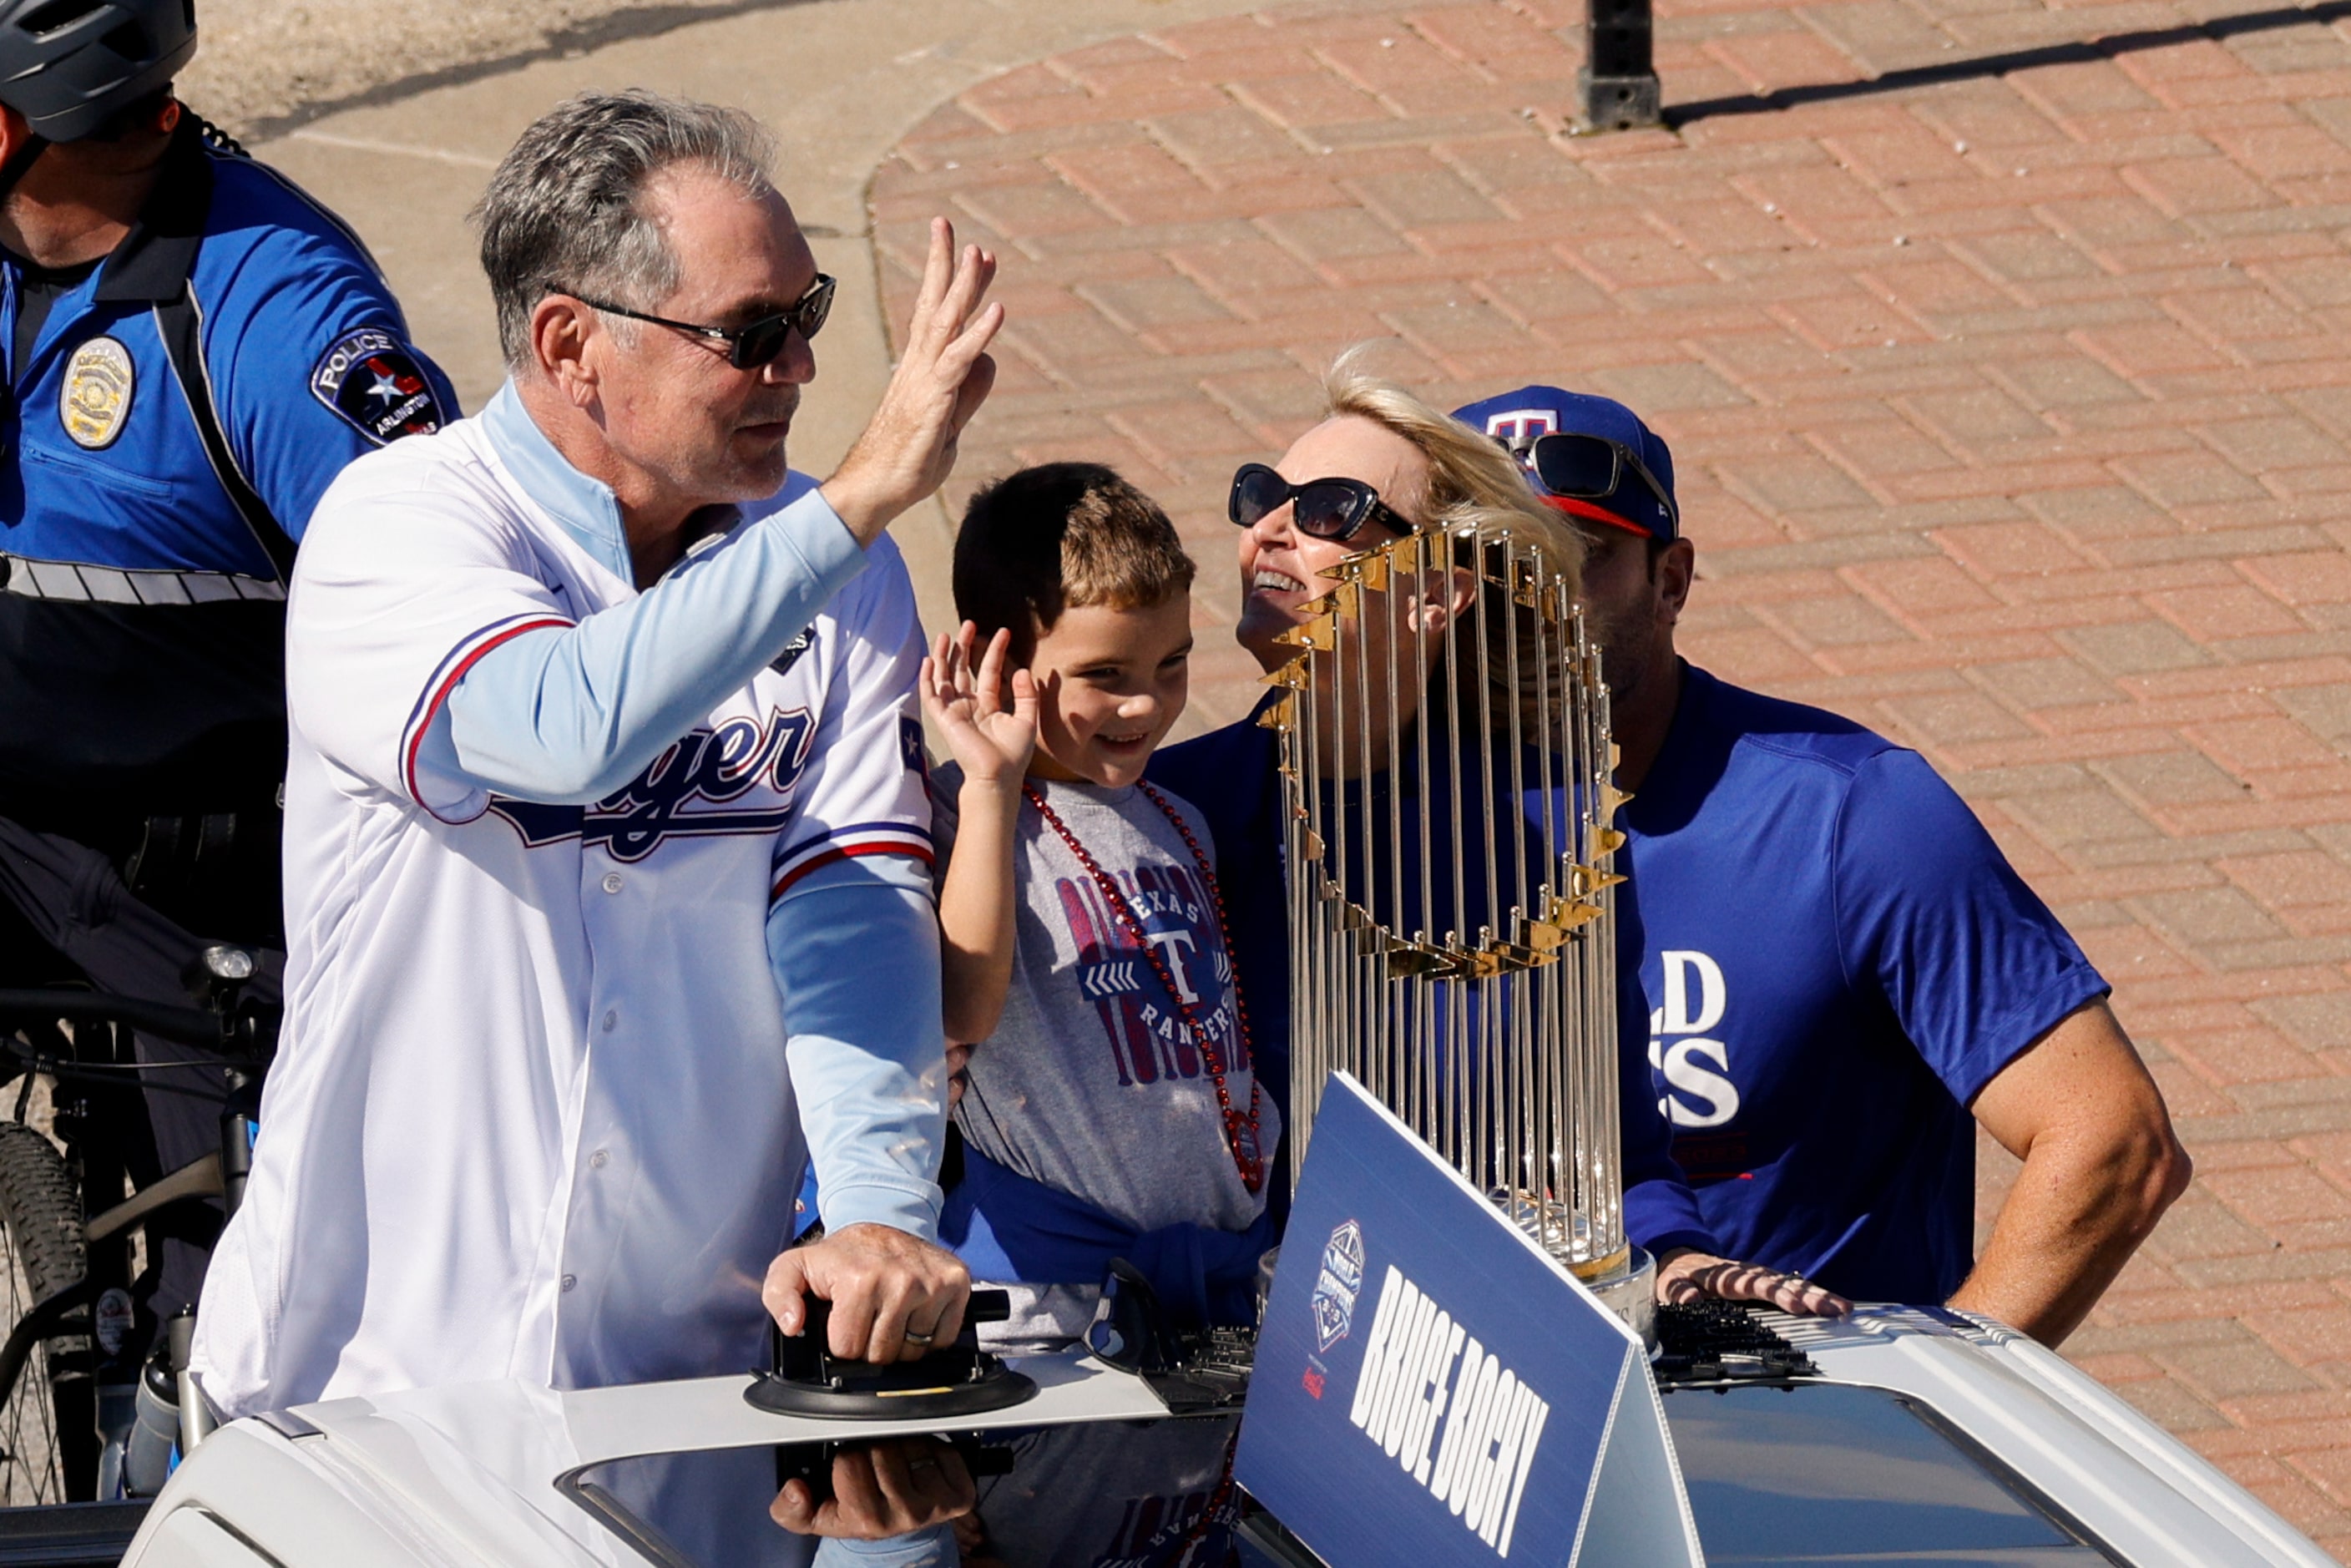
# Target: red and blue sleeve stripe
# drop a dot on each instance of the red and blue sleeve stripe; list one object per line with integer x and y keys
{"x": 848, "y": 843}
{"x": 462, "y": 658}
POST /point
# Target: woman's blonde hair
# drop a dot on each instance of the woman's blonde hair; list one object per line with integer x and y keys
{"x": 1472, "y": 480}
{"x": 1477, "y": 493}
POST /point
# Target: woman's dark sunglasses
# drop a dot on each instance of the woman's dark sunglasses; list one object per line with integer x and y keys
{"x": 747, "y": 348}
{"x": 1334, "y": 509}
{"x": 1591, "y": 468}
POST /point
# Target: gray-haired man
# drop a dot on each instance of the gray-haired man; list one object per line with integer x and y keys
{"x": 606, "y": 840}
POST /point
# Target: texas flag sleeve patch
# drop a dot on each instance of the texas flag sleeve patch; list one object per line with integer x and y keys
{"x": 373, "y": 380}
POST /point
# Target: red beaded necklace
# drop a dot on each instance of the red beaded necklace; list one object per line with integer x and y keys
{"x": 1240, "y": 1132}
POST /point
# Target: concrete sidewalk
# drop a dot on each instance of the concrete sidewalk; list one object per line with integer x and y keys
{"x": 2004, "y": 366}
{"x": 2011, "y": 401}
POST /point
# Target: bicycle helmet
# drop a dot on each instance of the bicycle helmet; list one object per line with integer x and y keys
{"x": 67, "y": 65}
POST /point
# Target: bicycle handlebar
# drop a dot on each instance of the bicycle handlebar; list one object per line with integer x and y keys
{"x": 187, "y": 1026}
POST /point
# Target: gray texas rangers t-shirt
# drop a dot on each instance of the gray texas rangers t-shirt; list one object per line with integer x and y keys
{"x": 1093, "y": 1083}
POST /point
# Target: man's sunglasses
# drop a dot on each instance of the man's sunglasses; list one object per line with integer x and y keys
{"x": 1590, "y": 467}
{"x": 747, "y": 348}
{"x": 1334, "y": 509}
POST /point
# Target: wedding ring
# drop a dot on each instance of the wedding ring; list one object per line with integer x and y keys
{"x": 914, "y": 1338}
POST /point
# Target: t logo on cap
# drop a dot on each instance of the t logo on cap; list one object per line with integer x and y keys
{"x": 1591, "y": 457}
{"x": 1518, "y": 429}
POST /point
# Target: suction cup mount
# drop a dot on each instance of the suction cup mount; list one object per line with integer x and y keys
{"x": 954, "y": 1379}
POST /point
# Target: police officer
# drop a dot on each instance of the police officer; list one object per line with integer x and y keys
{"x": 193, "y": 349}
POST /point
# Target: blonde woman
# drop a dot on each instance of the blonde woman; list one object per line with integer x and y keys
{"x": 1381, "y": 463}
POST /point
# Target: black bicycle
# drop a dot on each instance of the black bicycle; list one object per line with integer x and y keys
{"x": 88, "y": 1385}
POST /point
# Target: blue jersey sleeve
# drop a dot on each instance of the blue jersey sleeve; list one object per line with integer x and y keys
{"x": 1930, "y": 915}
{"x": 314, "y": 370}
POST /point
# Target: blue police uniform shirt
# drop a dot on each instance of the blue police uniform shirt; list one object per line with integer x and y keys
{"x": 1835, "y": 958}
{"x": 142, "y": 616}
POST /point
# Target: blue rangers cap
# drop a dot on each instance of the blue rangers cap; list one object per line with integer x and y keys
{"x": 1590, "y": 457}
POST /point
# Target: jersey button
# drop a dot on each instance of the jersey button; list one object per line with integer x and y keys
{"x": 600, "y": 1159}
{"x": 612, "y": 882}
{"x": 570, "y": 1281}
{"x": 611, "y": 1022}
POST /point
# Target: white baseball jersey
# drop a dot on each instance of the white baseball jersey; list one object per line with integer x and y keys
{"x": 531, "y": 1117}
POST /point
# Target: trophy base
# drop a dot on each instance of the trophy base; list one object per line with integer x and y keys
{"x": 1624, "y": 1281}
{"x": 1630, "y": 1291}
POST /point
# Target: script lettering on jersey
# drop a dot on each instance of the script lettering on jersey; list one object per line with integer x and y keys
{"x": 696, "y": 788}
{"x": 1694, "y": 1065}
{"x": 1456, "y": 1421}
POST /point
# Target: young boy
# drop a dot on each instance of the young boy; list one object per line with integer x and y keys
{"x": 1111, "y": 1109}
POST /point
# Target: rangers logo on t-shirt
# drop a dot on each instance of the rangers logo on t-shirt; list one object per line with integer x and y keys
{"x": 1151, "y": 1040}
{"x": 372, "y": 380}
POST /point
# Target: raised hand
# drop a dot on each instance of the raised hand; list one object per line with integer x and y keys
{"x": 992, "y": 743}
{"x": 1688, "y": 1276}
{"x": 942, "y": 378}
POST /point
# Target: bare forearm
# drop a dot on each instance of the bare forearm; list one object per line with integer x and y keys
{"x": 977, "y": 913}
{"x": 2101, "y": 1165}
{"x": 2077, "y": 1212}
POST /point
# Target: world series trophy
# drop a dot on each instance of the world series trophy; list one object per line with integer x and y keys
{"x": 1445, "y": 767}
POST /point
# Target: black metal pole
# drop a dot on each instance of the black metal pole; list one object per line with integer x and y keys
{"x": 1618, "y": 85}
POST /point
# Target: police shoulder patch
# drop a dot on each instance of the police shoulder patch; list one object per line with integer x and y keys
{"x": 375, "y": 382}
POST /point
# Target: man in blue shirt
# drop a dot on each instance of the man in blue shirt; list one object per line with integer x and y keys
{"x": 193, "y": 349}
{"x": 1840, "y": 967}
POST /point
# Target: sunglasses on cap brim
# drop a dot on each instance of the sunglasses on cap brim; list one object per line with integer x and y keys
{"x": 1590, "y": 468}
{"x": 1333, "y": 510}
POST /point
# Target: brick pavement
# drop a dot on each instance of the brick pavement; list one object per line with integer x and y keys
{"x": 2008, "y": 385}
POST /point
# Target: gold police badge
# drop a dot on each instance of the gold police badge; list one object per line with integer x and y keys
{"x": 96, "y": 395}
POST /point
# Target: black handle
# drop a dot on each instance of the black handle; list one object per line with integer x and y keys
{"x": 808, "y": 1355}
{"x": 185, "y": 1026}
{"x": 985, "y": 1307}
{"x": 811, "y": 1464}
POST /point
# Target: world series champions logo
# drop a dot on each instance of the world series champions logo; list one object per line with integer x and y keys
{"x": 1336, "y": 1287}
